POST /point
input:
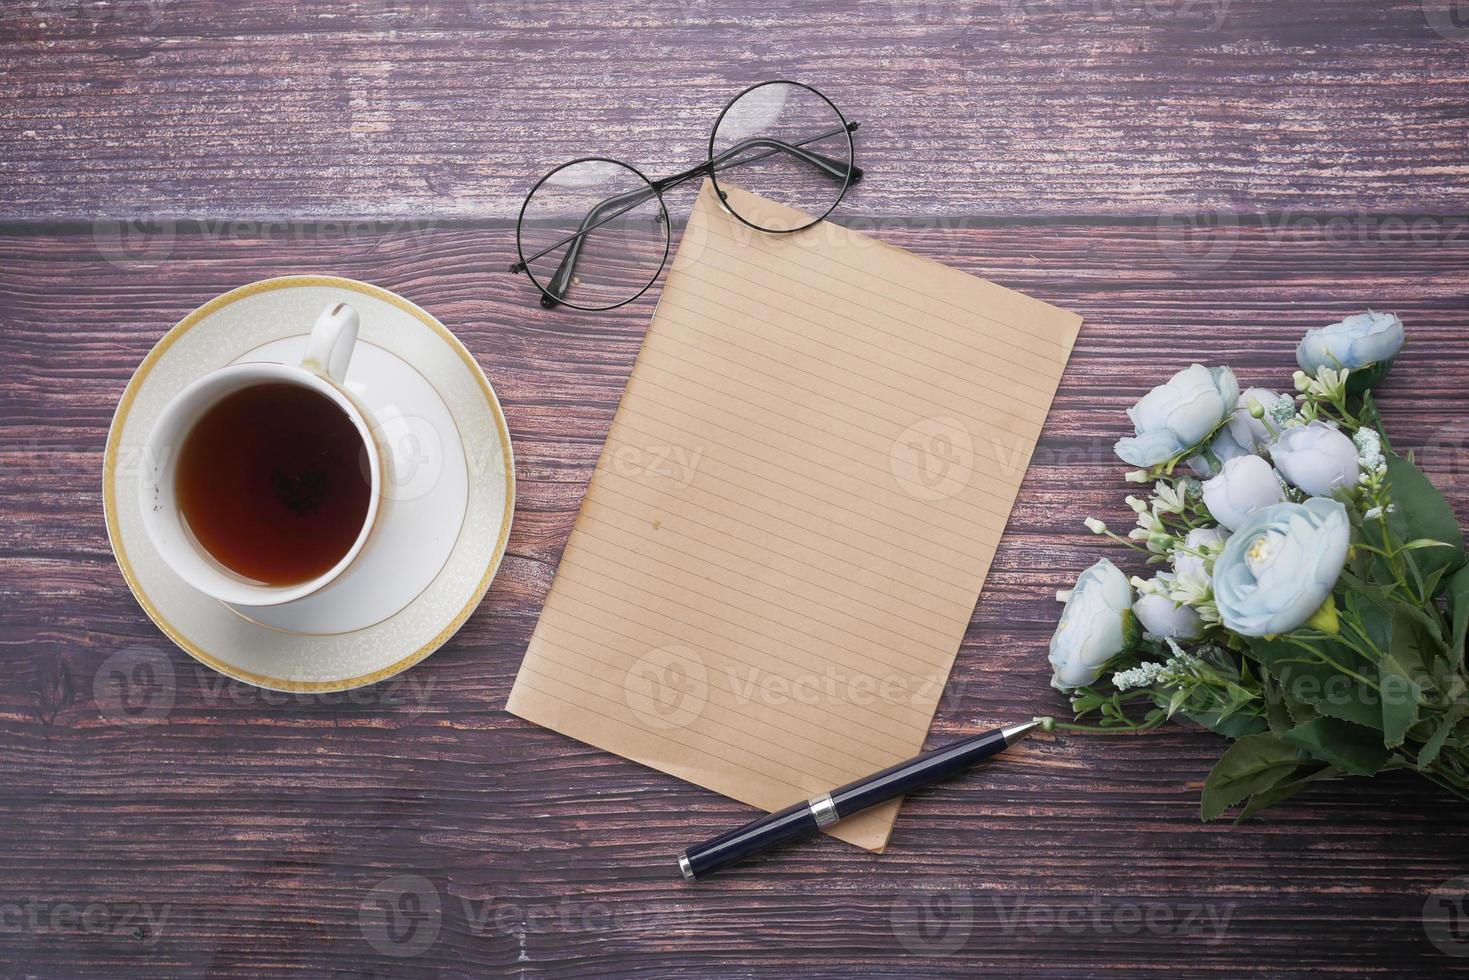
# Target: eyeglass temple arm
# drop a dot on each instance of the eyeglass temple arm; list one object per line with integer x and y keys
{"x": 561, "y": 280}
{"x": 834, "y": 169}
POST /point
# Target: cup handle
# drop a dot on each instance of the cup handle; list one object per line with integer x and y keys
{"x": 329, "y": 350}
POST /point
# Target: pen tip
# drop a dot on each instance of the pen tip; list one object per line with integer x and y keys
{"x": 1014, "y": 733}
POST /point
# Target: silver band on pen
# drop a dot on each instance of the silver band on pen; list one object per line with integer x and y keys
{"x": 823, "y": 809}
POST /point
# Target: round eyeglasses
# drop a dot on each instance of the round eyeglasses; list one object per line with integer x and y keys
{"x": 593, "y": 234}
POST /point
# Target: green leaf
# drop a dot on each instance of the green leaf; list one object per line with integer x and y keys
{"x": 1132, "y": 629}
{"x": 1351, "y": 748}
{"x": 1456, "y": 591}
{"x": 1434, "y": 745}
{"x": 1425, "y": 514}
{"x": 1300, "y": 712}
{"x": 1408, "y": 646}
{"x": 1376, "y": 610}
{"x": 1251, "y": 765}
{"x": 1276, "y": 711}
{"x": 1283, "y": 790}
{"x": 1085, "y": 699}
{"x": 1320, "y": 685}
{"x": 1231, "y": 726}
{"x": 1430, "y": 581}
{"x": 1420, "y": 543}
{"x": 1401, "y": 677}
{"x": 1362, "y": 380}
{"x": 1400, "y": 700}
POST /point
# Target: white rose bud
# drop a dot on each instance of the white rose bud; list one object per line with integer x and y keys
{"x": 1246, "y": 484}
{"x": 1161, "y": 616}
{"x": 1185, "y": 563}
{"x": 1316, "y": 457}
{"x": 1094, "y": 626}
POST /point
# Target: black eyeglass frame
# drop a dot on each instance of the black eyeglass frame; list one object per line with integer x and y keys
{"x": 554, "y": 293}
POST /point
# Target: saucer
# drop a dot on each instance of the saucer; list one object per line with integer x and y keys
{"x": 448, "y": 499}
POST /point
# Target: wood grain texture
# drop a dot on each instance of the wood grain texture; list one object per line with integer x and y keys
{"x": 1308, "y": 160}
{"x": 257, "y": 825}
{"x": 981, "y": 107}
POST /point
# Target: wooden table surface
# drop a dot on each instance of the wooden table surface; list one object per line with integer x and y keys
{"x": 1201, "y": 179}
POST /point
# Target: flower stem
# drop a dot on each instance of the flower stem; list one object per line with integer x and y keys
{"x": 1050, "y": 724}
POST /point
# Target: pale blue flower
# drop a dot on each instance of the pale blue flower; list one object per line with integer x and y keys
{"x": 1095, "y": 626}
{"x": 1244, "y": 485}
{"x": 1280, "y": 566}
{"x": 1354, "y": 343}
{"x": 1161, "y": 616}
{"x": 1191, "y": 558}
{"x": 1316, "y": 457}
{"x": 1179, "y": 414}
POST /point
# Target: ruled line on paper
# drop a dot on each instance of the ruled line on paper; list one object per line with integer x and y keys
{"x": 747, "y": 515}
{"x": 752, "y": 493}
{"x": 707, "y": 387}
{"x": 729, "y": 561}
{"x": 825, "y": 328}
{"x": 749, "y": 665}
{"x": 779, "y": 388}
{"x": 797, "y": 656}
{"x": 885, "y": 580}
{"x": 692, "y": 321}
{"x": 829, "y": 333}
{"x": 796, "y": 739}
{"x": 787, "y": 617}
{"x": 790, "y": 260}
{"x": 794, "y": 511}
{"x": 807, "y": 492}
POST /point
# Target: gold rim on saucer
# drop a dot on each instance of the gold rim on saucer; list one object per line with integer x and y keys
{"x": 109, "y": 479}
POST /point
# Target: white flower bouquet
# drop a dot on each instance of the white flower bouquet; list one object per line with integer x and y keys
{"x": 1311, "y": 598}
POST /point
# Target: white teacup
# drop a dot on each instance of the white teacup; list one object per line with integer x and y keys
{"x": 322, "y": 370}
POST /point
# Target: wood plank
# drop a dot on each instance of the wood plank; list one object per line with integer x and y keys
{"x": 993, "y": 107}
{"x": 261, "y": 824}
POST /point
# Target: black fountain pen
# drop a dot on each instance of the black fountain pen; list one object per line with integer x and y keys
{"x": 801, "y": 819}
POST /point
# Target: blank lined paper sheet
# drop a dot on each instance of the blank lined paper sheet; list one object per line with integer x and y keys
{"x": 791, "y": 520}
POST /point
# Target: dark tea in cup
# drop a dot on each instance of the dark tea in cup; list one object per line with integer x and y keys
{"x": 273, "y": 482}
